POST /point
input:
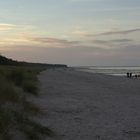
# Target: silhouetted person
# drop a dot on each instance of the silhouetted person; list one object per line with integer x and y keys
{"x": 127, "y": 74}
{"x": 130, "y": 74}
{"x": 136, "y": 76}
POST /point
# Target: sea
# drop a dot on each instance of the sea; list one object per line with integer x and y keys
{"x": 111, "y": 70}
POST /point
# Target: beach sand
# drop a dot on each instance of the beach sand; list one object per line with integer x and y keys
{"x": 86, "y": 106}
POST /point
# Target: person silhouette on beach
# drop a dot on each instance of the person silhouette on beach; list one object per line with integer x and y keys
{"x": 136, "y": 76}
{"x": 127, "y": 74}
{"x": 130, "y": 75}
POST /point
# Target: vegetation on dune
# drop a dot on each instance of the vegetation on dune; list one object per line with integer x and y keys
{"x": 17, "y": 81}
{"x": 24, "y": 78}
{"x": 16, "y": 112}
{"x": 10, "y": 62}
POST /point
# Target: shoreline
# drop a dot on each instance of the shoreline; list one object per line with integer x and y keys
{"x": 87, "y": 106}
{"x": 106, "y": 72}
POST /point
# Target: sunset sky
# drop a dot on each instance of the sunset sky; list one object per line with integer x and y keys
{"x": 74, "y": 32}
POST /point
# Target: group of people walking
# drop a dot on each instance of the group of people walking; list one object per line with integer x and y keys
{"x": 130, "y": 75}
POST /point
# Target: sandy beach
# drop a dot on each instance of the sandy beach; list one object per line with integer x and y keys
{"x": 86, "y": 106}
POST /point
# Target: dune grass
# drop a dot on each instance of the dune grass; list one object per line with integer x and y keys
{"x": 16, "y": 112}
{"x": 23, "y": 77}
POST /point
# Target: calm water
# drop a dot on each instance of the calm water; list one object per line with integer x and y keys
{"x": 119, "y": 71}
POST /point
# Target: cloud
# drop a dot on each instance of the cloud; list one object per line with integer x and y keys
{"x": 53, "y": 41}
{"x": 112, "y": 44}
{"x": 116, "y": 41}
{"x": 123, "y": 32}
{"x": 118, "y": 51}
{"x": 121, "y": 40}
{"x": 68, "y": 55}
{"x": 81, "y": 33}
{"x": 120, "y": 32}
{"x": 6, "y": 27}
{"x": 79, "y": 54}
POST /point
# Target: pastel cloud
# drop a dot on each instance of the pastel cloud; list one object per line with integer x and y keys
{"x": 92, "y": 55}
{"x": 6, "y": 27}
{"x": 53, "y": 41}
{"x": 108, "y": 33}
{"x": 118, "y": 41}
{"x": 121, "y": 32}
{"x": 80, "y": 33}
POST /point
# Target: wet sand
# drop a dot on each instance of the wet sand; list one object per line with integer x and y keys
{"x": 86, "y": 106}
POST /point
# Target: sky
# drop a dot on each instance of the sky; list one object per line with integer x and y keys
{"x": 72, "y": 32}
